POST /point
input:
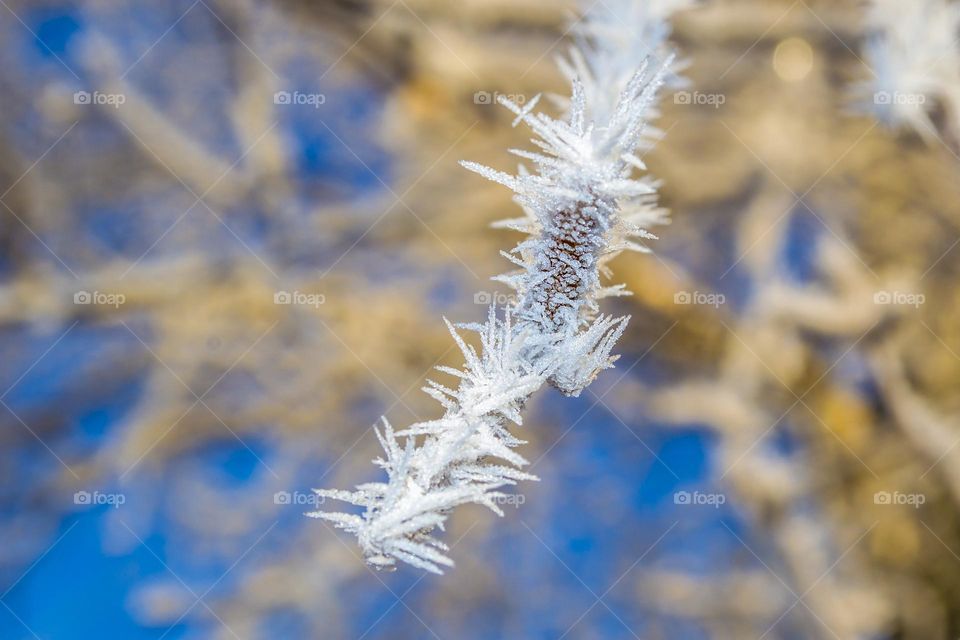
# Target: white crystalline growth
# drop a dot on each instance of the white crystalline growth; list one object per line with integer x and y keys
{"x": 465, "y": 457}
{"x": 574, "y": 203}
{"x": 583, "y": 205}
{"x": 913, "y": 51}
{"x": 613, "y": 40}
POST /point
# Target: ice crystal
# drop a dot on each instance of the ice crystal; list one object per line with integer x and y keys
{"x": 462, "y": 456}
{"x": 573, "y": 200}
{"x": 607, "y": 53}
{"x": 583, "y": 204}
{"x": 915, "y": 57}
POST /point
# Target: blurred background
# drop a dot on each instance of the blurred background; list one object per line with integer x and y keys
{"x": 230, "y": 229}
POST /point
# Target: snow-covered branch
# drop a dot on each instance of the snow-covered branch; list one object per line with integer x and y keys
{"x": 585, "y": 200}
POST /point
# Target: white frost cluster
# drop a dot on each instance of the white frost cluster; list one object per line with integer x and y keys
{"x": 457, "y": 462}
{"x": 583, "y": 205}
{"x": 914, "y": 52}
{"x": 613, "y": 40}
{"x": 573, "y": 202}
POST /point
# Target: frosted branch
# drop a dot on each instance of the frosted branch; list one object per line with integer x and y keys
{"x": 583, "y": 204}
